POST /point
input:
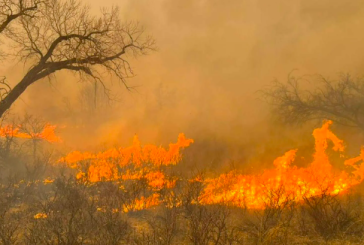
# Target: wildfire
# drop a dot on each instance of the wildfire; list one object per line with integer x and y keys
{"x": 142, "y": 203}
{"x": 136, "y": 161}
{"x": 286, "y": 182}
{"x": 47, "y": 133}
{"x": 131, "y": 163}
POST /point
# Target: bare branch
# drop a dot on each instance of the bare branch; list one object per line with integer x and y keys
{"x": 11, "y": 10}
{"x": 63, "y": 35}
{"x": 339, "y": 100}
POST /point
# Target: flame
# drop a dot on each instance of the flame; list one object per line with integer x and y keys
{"x": 40, "y": 216}
{"x": 286, "y": 182}
{"x": 47, "y": 133}
{"x": 283, "y": 183}
{"x": 142, "y": 203}
{"x": 138, "y": 162}
{"x": 131, "y": 163}
{"x": 48, "y": 181}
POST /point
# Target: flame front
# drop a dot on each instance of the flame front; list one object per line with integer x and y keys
{"x": 286, "y": 182}
{"x": 128, "y": 164}
{"x": 272, "y": 187}
{"x": 135, "y": 161}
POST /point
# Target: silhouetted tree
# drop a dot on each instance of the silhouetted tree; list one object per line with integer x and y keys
{"x": 10, "y": 10}
{"x": 57, "y": 35}
{"x": 340, "y": 100}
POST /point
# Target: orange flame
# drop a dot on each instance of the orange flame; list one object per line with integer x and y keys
{"x": 140, "y": 161}
{"x": 47, "y": 134}
{"x": 40, "y": 216}
{"x": 286, "y": 182}
{"x": 142, "y": 203}
{"x": 274, "y": 186}
{"x": 131, "y": 163}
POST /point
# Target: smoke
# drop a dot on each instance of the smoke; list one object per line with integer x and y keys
{"x": 212, "y": 59}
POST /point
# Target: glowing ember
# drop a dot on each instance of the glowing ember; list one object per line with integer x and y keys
{"x": 40, "y": 216}
{"x": 48, "y": 181}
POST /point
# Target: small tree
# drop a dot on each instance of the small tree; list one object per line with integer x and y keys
{"x": 55, "y": 35}
{"x": 341, "y": 100}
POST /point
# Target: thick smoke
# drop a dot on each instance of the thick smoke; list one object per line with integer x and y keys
{"x": 213, "y": 57}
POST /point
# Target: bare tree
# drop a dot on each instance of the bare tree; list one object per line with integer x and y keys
{"x": 340, "y": 100}
{"x": 10, "y": 10}
{"x": 64, "y": 35}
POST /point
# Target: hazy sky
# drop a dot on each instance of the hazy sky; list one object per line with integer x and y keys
{"x": 213, "y": 56}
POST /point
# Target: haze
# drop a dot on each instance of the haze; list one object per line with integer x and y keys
{"x": 213, "y": 57}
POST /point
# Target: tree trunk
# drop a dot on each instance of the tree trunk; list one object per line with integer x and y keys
{"x": 15, "y": 93}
